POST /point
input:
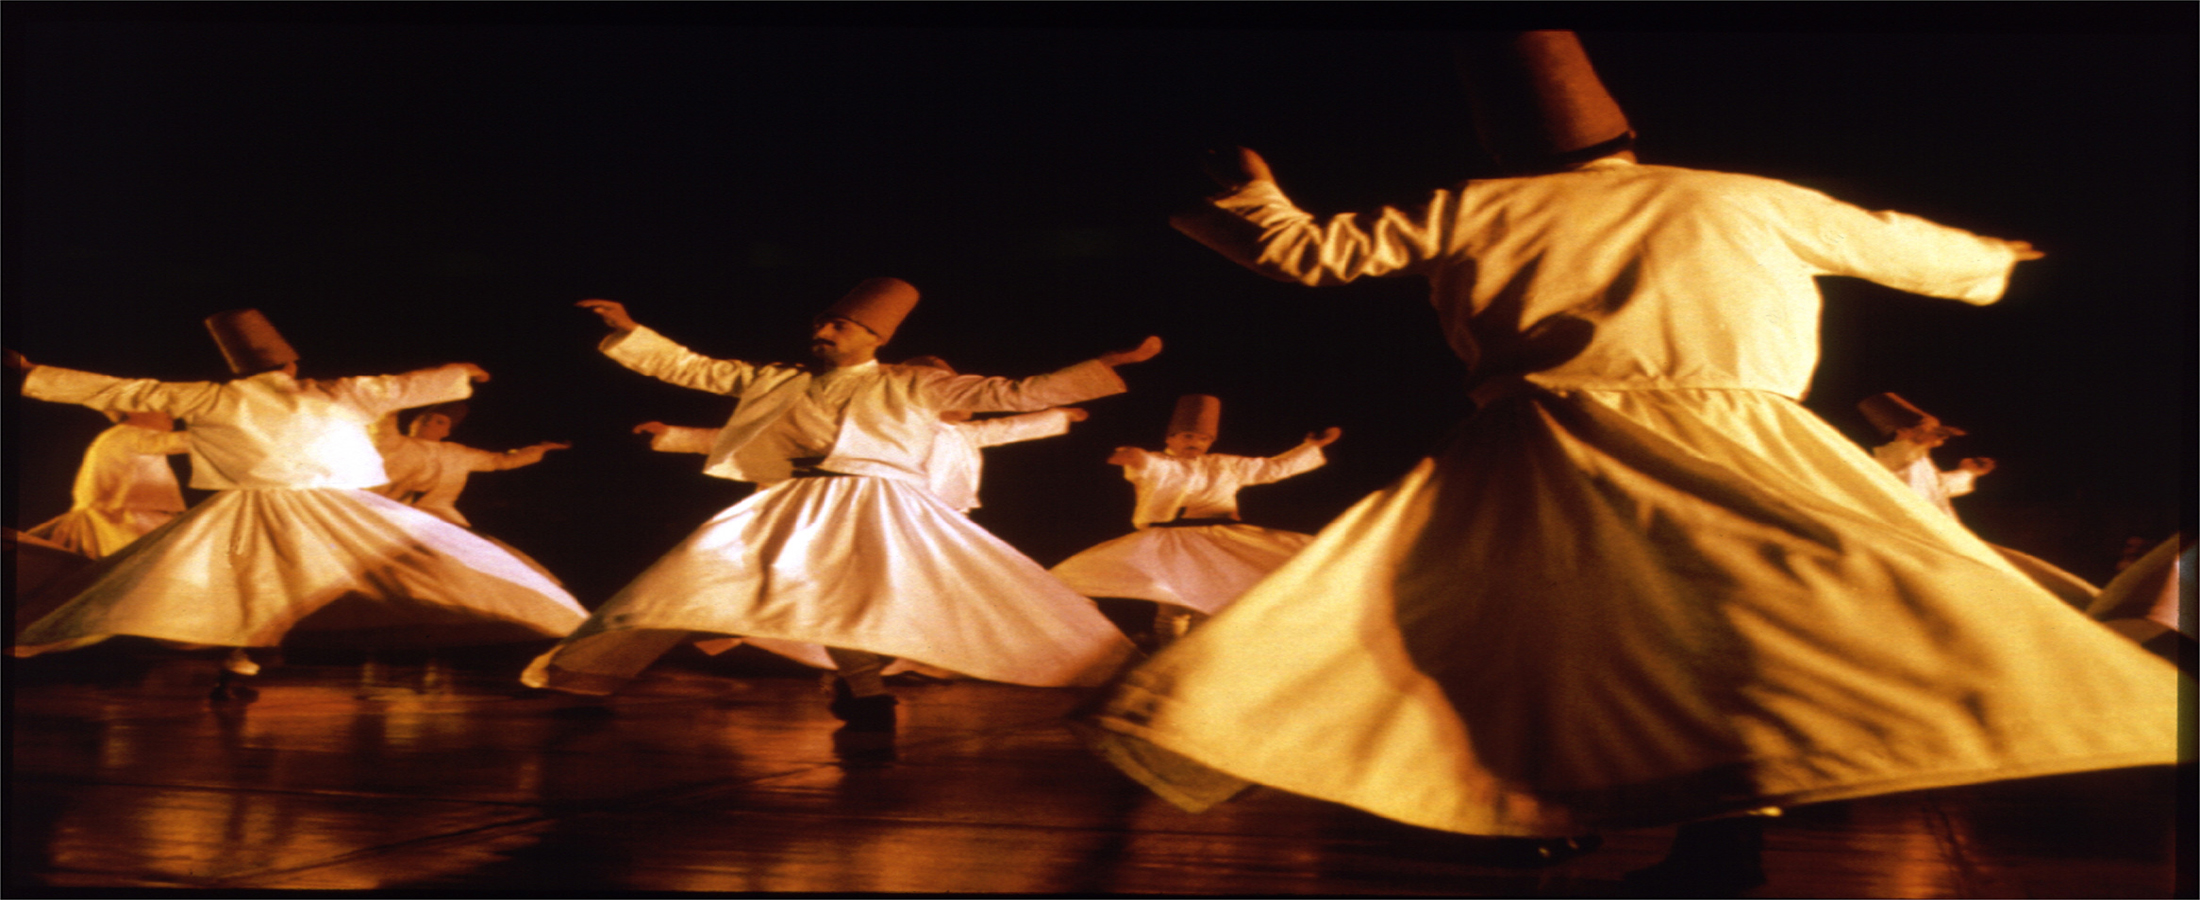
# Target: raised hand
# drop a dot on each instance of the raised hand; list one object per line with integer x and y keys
{"x": 1147, "y": 349}
{"x": 1327, "y": 437}
{"x": 652, "y": 428}
{"x": 612, "y": 312}
{"x": 474, "y": 372}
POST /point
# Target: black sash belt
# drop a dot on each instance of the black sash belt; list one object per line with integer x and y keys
{"x": 806, "y": 467}
{"x": 1194, "y": 523}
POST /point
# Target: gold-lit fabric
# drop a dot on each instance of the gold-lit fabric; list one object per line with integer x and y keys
{"x": 1914, "y": 465}
{"x": 1200, "y": 567}
{"x": 864, "y": 558}
{"x": 430, "y": 475}
{"x": 123, "y": 489}
{"x": 858, "y": 562}
{"x": 245, "y": 568}
{"x": 2157, "y": 588}
{"x": 890, "y": 433}
{"x": 956, "y": 465}
{"x": 290, "y": 542}
{"x": 1205, "y": 487}
{"x": 1641, "y": 584}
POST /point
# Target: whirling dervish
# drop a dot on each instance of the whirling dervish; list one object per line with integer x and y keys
{"x": 1191, "y": 554}
{"x": 292, "y": 539}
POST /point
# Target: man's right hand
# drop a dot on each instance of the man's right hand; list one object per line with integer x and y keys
{"x": 16, "y": 362}
{"x": 612, "y": 312}
{"x": 652, "y": 428}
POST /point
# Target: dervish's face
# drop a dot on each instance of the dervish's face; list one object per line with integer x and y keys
{"x": 1190, "y": 444}
{"x": 1927, "y": 434}
{"x": 432, "y": 427}
{"x": 843, "y": 342}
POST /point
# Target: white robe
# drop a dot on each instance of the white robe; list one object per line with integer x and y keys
{"x": 123, "y": 489}
{"x": 291, "y": 540}
{"x": 1913, "y": 464}
{"x": 957, "y": 464}
{"x": 1642, "y": 584}
{"x": 868, "y": 559}
{"x": 430, "y": 475}
{"x": 1198, "y": 567}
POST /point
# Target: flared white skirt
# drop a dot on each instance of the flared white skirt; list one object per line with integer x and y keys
{"x": 247, "y": 567}
{"x": 1198, "y": 567}
{"x": 1628, "y": 608}
{"x": 856, "y": 562}
{"x": 100, "y": 532}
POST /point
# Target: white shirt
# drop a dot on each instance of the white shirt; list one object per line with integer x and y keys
{"x": 957, "y": 466}
{"x": 884, "y": 426}
{"x": 1913, "y": 463}
{"x": 268, "y": 431}
{"x": 1205, "y": 487}
{"x": 1617, "y": 276}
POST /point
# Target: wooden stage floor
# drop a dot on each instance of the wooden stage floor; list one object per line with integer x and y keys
{"x": 441, "y": 777}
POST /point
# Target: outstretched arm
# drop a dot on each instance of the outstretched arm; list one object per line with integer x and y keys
{"x": 665, "y": 438}
{"x": 1254, "y": 225}
{"x": 1146, "y": 349}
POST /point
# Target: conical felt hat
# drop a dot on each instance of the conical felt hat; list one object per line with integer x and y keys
{"x": 249, "y": 342}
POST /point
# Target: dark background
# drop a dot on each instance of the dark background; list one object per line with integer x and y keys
{"x": 410, "y": 184}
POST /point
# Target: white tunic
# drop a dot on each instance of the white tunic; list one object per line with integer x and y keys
{"x": 430, "y": 475}
{"x": 957, "y": 464}
{"x": 1642, "y": 584}
{"x": 1199, "y": 567}
{"x": 1913, "y": 463}
{"x": 291, "y": 541}
{"x": 123, "y": 489}
{"x": 866, "y": 560}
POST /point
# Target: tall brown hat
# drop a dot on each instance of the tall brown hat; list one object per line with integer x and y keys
{"x": 1197, "y": 413}
{"x": 1538, "y": 105}
{"x": 249, "y": 342}
{"x": 929, "y": 362}
{"x": 878, "y": 304}
{"x": 1890, "y": 413}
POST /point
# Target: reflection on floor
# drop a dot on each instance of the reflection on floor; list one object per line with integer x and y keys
{"x": 441, "y": 776}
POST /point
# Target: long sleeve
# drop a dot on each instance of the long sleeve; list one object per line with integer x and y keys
{"x": 1011, "y": 429}
{"x": 156, "y": 443}
{"x": 1305, "y": 457}
{"x": 1084, "y": 381}
{"x": 110, "y": 394}
{"x": 683, "y": 439}
{"x": 1958, "y": 482}
{"x": 1895, "y": 249}
{"x": 1260, "y": 228}
{"x": 656, "y": 356}
{"x": 380, "y": 395}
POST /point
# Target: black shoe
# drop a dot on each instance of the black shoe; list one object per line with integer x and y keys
{"x": 230, "y": 688}
{"x": 875, "y": 713}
